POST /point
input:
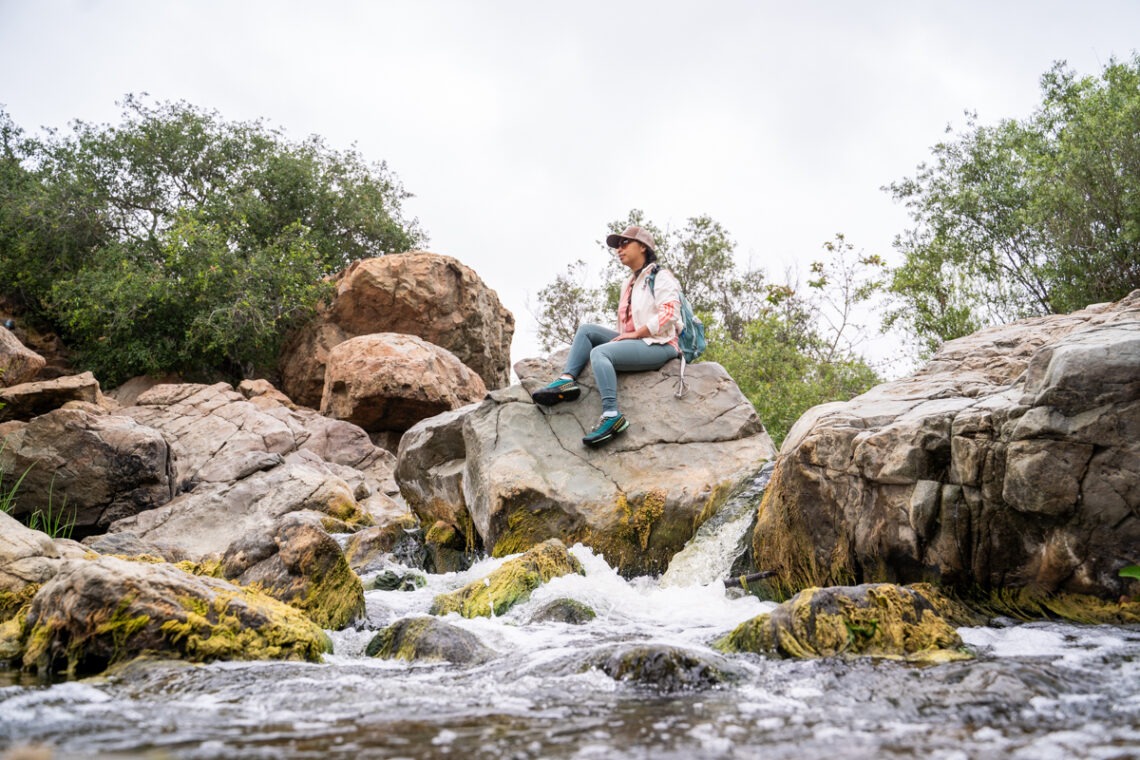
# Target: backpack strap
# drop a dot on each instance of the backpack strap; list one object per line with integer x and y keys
{"x": 681, "y": 386}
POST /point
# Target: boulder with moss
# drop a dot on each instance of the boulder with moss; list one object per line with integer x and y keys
{"x": 1006, "y": 470}
{"x": 914, "y": 623}
{"x": 429, "y": 639}
{"x": 520, "y": 473}
{"x": 511, "y": 584}
{"x": 98, "y": 612}
{"x": 297, "y": 562}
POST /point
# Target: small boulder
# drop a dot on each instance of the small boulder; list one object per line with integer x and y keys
{"x": 428, "y": 639}
{"x": 663, "y": 668}
{"x": 569, "y": 611}
{"x": 297, "y": 562}
{"x": 511, "y": 584}
{"x": 913, "y": 623}
{"x": 388, "y": 381}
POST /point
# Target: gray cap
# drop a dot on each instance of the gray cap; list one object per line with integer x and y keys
{"x": 633, "y": 232}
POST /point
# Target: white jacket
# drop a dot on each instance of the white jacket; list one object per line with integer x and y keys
{"x": 659, "y": 309}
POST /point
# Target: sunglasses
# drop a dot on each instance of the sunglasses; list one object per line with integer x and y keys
{"x": 623, "y": 244}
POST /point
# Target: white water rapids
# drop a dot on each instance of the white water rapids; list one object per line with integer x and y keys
{"x": 1038, "y": 691}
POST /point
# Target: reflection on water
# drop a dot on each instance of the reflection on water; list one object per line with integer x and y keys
{"x": 1036, "y": 691}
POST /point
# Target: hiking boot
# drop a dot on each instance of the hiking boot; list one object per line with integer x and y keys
{"x": 608, "y": 428}
{"x": 558, "y": 391}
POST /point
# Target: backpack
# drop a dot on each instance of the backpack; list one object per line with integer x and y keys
{"x": 691, "y": 341}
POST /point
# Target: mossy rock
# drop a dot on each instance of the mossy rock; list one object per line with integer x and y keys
{"x": 663, "y": 668}
{"x": 104, "y": 611}
{"x": 1033, "y": 604}
{"x": 913, "y": 623}
{"x": 428, "y": 639}
{"x": 510, "y": 584}
{"x": 569, "y": 611}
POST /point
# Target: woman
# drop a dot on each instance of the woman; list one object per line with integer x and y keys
{"x": 646, "y": 338}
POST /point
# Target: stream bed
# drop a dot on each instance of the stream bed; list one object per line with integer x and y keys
{"x": 1035, "y": 691}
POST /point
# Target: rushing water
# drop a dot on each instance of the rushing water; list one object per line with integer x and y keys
{"x": 1037, "y": 691}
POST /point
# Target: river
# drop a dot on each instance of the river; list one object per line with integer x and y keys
{"x": 1038, "y": 691}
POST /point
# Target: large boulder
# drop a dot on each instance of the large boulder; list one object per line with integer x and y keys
{"x": 389, "y": 381}
{"x": 97, "y": 612}
{"x": 434, "y": 297}
{"x": 1008, "y": 467}
{"x": 18, "y": 363}
{"x": 527, "y": 477}
{"x": 84, "y": 469}
{"x": 220, "y": 437}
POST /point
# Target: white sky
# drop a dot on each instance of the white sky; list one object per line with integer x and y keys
{"x": 524, "y": 127}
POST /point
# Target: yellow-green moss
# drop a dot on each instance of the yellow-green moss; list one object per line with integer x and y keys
{"x": 114, "y": 629}
{"x": 12, "y": 602}
{"x": 398, "y": 642}
{"x": 891, "y": 622}
{"x": 441, "y": 534}
{"x": 1028, "y": 603}
{"x": 210, "y": 568}
{"x": 510, "y": 584}
{"x": 334, "y": 599}
{"x": 783, "y": 543}
{"x": 214, "y": 631}
{"x": 639, "y": 520}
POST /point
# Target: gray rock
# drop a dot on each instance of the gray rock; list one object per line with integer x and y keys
{"x": 429, "y": 639}
{"x": 1009, "y": 466}
{"x": 521, "y": 475}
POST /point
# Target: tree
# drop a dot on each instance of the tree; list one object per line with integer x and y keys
{"x": 1027, "y": 217}
{"x": 177, "y": 241}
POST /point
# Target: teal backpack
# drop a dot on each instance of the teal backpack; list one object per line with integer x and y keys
{"x": 691, "y": 341}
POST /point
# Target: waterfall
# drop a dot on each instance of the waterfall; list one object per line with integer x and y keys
{"x": 724, "y": 537}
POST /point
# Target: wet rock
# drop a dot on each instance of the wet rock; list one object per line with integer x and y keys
{"x": 297, "y": 562}
{"x": 86, "y": 469}
{"x": 664, "y": 668}
{"x": 523, "y": 475}
{"x": 569, "y": 611}
{"x": 28, "y": 400}
{"x": 428, "y": 639}
{"x": 389, "y": 382}
{"x": 98, "y": 612}
{"x": 18, "y": 363}
{"x": 1006, "y": 469}
{"x": 875, "y": 620}
{"x": 391, "y": 580}
{"x": 400, "y": 540}
{"x": 511, "y": 584}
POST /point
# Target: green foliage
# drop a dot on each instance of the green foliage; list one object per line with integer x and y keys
{"x": 177, "y": 241}
{"x": 1131, "y": 571}
{"x": 1027, "y": 217}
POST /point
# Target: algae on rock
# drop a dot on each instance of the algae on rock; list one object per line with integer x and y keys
{"x": 510, "y": 584}
{"x": 913, "y": 623}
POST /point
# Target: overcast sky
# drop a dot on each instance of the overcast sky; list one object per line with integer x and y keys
{"x": 524, "y": 127}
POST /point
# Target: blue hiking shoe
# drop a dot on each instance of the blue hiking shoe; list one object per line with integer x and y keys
{"x": 558, "y": 391}
{"x": 608, "y": 428}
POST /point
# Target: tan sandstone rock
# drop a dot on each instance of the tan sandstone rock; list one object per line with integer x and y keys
{"x": 390, "y": 381}
{"x": 18, "y": 363}
{"x": 428, "y": 295}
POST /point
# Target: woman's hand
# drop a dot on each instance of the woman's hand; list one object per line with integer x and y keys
{"x": 640, "y": 333}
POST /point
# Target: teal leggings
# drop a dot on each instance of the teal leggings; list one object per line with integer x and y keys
{"x": 594, "y": 343}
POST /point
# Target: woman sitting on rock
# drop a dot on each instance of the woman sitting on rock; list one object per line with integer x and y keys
{"x": 648, "y": 326}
